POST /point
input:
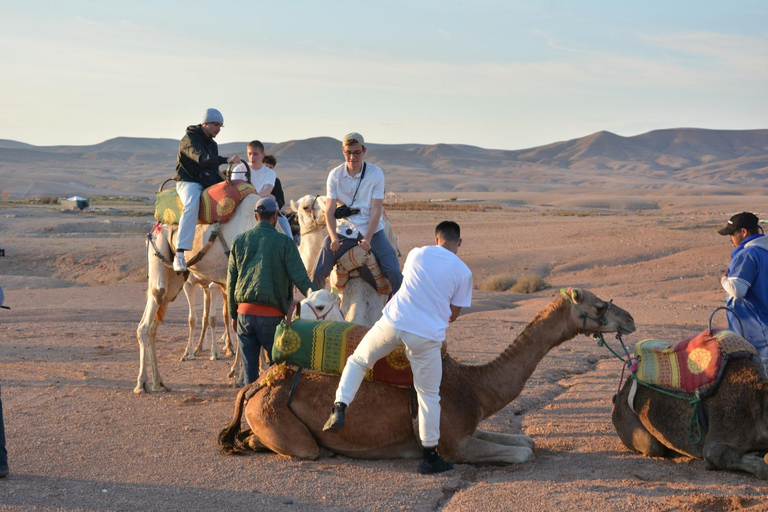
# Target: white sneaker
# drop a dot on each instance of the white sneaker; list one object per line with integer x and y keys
{"x": 179, "y": 262}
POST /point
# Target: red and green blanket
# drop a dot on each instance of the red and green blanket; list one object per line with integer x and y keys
{"x": 694, "y": 364}
{"x": 325, "y": 346}
{"x": 217, "y": 202}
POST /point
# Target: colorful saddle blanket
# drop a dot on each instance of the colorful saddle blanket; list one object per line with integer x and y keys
{"x": 694, "y": 364}
{"x": 325, "y": 346}
{"x": 217, "y": 202}
{"x": 354, "y": 259}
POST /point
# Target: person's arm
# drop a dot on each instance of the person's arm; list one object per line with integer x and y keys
{"x": 194, "y": 149}
{"x": 296, "y": 271}
{"x": 330, "y": 210}
{"x": 734, "y": 287}
{"x": 377, "y": 207}
{"x": 455, "y": 310}
{"x": 231, "y": 284}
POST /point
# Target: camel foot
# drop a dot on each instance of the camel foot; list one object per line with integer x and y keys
{"x": 228, "y": 352}
{"x": 216, "y": 357}
{"x": 160, "y": 388}
{"x": 187, "y": 357}
{"x": 140, "y": 388}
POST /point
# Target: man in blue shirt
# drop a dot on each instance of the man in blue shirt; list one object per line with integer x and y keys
{"x": 746, "y": 280}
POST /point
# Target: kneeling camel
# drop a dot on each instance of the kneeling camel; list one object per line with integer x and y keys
{"x": 379, "y": 424}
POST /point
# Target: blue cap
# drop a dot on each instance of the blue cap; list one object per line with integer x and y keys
{"x": 266, "y": 205}
{"x": 213, "y": 116}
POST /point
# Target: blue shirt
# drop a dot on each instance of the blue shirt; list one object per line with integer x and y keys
{"x": 749, "y": 264}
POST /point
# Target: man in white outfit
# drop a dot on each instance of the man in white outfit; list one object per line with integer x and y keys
{"x": 436, "y": 285}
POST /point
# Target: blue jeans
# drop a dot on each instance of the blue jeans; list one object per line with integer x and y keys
{"x": 254, "y": 332}
{"x": 380, "y": 247}
{"x": 3, "y": 452}
{"x": 189, "y": 193}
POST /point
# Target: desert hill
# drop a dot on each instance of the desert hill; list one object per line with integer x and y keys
{"x": 662, "y": 159}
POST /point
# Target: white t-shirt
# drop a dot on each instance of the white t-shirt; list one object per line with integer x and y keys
{"x": 342, "y": 186}
{"x": 259, "y": 178}
{"x": 434, "y": 278}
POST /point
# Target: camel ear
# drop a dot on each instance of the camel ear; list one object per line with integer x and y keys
{"x": 294, "y": 206}
{"x": 576, "y": 295}
{"x": 335, "y": 291}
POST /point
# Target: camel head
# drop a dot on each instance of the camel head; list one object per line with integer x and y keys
{"x": 322, "y": 305}
{"x": 591, "y": 314}
{"x": 310, "y": 211}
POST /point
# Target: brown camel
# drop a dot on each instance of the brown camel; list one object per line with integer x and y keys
{"x": 736, "y": 438}
{"x": 378, "y": 422}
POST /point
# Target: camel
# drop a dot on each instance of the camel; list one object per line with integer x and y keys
{"x": 736, "y": 437}
{"x": 210, "y": 291}
{"x": 379, "y": 423}
{"x": 321, "y": 305}
{"x": 360, "y": 303}
{"x": 163, "y": 284}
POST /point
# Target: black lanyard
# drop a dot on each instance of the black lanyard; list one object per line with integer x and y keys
{"x": 358, "y": 186}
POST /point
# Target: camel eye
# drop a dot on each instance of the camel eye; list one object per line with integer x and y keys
{"x": 601, "y": 307}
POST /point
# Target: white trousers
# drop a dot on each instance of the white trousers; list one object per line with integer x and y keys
{"x": 189, "y": 193}
{"x": 427, "y": 367}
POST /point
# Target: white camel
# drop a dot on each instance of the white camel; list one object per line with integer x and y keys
{"x": 211, "y": 292}
{"x": 360, "y": 302}
{"x": 321, "y": 305}
{"x": 163, "y": 284}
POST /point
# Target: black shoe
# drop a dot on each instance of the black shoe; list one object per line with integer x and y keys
{"x": 3, "y": 471}
{"x": 336, "y": 421}
{"x": 432, "y": 463}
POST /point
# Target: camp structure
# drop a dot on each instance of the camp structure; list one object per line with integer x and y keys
{"x": 75, "y": 203}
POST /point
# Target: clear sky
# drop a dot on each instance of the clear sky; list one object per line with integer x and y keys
{"x": 493, "y": 73}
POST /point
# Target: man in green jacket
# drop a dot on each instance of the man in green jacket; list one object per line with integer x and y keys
{"x": 263, "y": 267}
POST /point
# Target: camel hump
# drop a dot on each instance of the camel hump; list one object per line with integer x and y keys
{"x": 217, "y": 202}
{"x": 356, "y": 259}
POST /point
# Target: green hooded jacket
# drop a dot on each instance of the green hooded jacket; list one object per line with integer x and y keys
{"x": 263, "y": 267}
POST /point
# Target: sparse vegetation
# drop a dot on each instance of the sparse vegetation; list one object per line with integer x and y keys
{"x": 46, "y": 200}
{"x": 527, "y": 283}
{"x": 498, "y": 283}
{"x": 450, "y": 205}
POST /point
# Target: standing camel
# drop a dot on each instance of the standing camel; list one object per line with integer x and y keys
{"x": 736, "y": 436}
{"x": 360, "y": 303}
{"x": 379, "y": 424}
{"x": 164, "y": 284}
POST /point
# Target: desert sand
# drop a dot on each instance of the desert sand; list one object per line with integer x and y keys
{"x": 79, "y": 438}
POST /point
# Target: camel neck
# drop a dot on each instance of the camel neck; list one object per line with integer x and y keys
{"x": 501, "y": 380}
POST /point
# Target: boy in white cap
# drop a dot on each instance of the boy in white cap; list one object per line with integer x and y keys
{"x": 197, "y": 168}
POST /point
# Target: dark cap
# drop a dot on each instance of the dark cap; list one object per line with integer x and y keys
{"x": 740, "y": 220}
{"x": 266, "y": 205}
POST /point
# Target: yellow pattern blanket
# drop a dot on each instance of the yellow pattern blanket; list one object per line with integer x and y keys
{"x": 694, "y": 364}
{"x": 217, "y": 202}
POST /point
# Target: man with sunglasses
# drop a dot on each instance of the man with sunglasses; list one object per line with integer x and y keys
{"x": 197, "y": 168}
{"x": 358, "y": 187}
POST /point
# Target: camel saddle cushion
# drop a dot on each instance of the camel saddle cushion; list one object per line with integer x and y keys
{"x": 357, "y": 258}
{"x": 217, "y": 202}
{"x": 324, "y": 346}
{"x": 694, "y": 364}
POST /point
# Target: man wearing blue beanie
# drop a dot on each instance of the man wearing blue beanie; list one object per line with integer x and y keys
{"x": 197, "y": 168}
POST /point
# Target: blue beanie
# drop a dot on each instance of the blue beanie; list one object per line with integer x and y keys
{"x": 213, "y": 116}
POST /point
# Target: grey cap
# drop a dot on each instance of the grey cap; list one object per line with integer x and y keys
{"x": 266, "y": 205}
{"x": 213, "y": 116}
{"x": 353, "y": 139}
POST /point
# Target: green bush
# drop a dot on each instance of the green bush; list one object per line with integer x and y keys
{"x": 529, "y": 283}
{"x": 498, "y": 283}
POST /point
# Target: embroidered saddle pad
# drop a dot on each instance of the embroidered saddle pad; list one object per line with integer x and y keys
{"x": 356, "y": 258}
{"x": 217, "y": 202}
{"x": 325, "y": 346}
{"x": 694, "y": 364}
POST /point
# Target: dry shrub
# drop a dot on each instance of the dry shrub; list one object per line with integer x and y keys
{"x": 48, "y": 200}
{"x": 498, "y": 283}
{"x": 529, "y": 283}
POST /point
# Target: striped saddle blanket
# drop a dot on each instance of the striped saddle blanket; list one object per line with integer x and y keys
{"x": 325, "y": 346}
{"x": 217, "y": 202}
{"x": 694, "y": 364}
{"x": 357, "y": 258}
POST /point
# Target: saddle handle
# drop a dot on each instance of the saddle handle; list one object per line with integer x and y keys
{"x": 293, "y": 309}
{"x": 741, "y": 326}
{"x": 228, "y": 172}
{"x": 160, "y": 188}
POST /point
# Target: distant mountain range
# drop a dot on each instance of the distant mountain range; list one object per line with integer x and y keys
{"x": 660, "y": 158}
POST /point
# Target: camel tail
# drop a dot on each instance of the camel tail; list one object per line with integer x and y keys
{"x": 228, "y": 442}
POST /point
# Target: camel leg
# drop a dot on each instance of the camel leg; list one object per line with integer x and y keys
{"x": 190, "y": 291}
{"x": 210, "y": 314}
{"x": 631, "y": 430}
{"x": 722, "y": 456}
{"x": 237, "y": 369}
{"x": 226, "y": 338}
{"x": 472, "y": 450}
{"x": 206, "y": 320}
{"x": 147, "y": 335}
{"x": 505, "y": 439}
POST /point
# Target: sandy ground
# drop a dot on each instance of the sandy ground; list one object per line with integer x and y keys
{"x": 79, "y": 438}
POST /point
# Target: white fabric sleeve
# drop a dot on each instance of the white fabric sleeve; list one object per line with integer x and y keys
{"x": 735, "y": 287}
{"x": 330, "y": 186}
